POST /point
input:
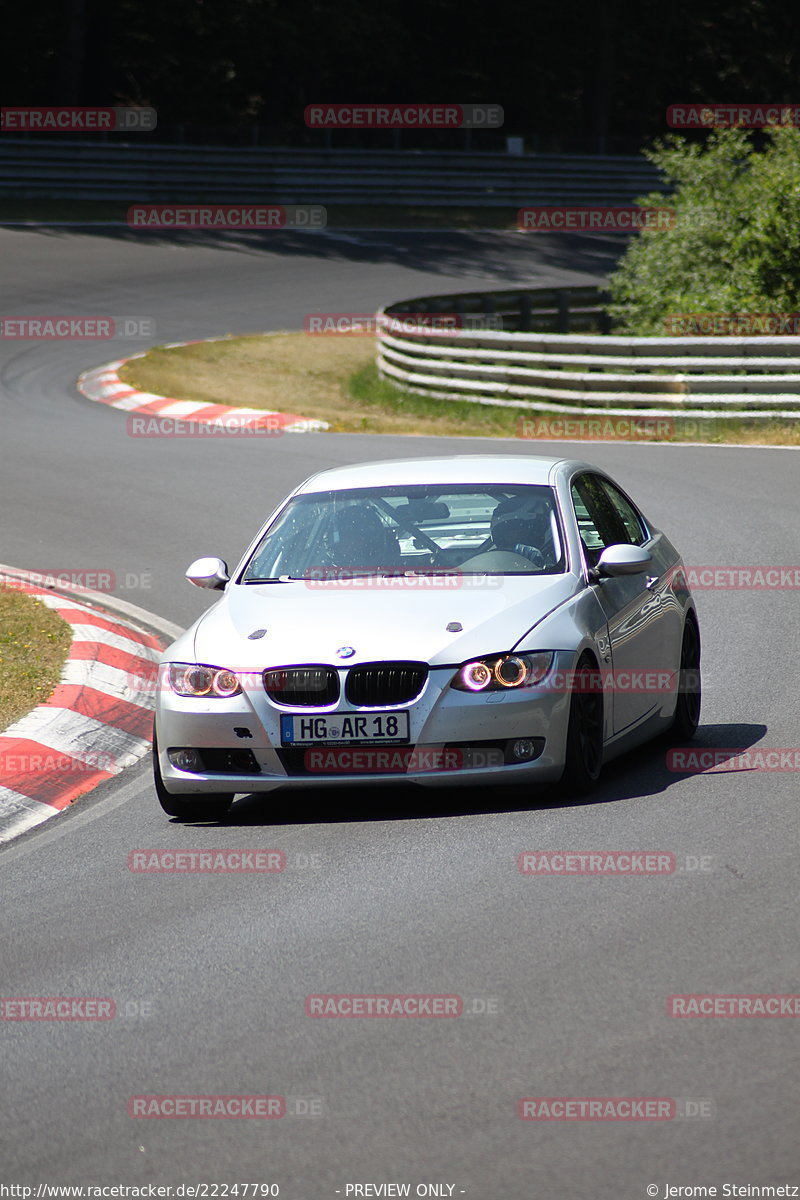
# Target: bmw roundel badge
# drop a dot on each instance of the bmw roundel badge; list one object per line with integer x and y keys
{"x": 345, "y": 652}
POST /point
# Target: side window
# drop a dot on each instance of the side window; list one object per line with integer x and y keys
{"x": 631, "y": 519}
{"x": 599, "y": 522}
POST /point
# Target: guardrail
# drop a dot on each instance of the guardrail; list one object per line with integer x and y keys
{"x": 126, "y": 171}
{"x": 585, "y": 373}
{"x": 516, "y": 310}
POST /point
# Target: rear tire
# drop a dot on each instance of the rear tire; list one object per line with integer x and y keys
{"x": 687, "y": 708}
{"x": 584, "y": 751}
{"x": 209, "y": 807}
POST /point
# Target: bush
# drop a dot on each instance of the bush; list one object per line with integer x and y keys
{"x": 735, "y": 245}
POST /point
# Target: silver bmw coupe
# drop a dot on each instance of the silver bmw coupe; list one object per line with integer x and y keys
{"x": 458, "y": 620}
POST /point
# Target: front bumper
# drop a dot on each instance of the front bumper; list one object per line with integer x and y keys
{"x": 454, "y": 738}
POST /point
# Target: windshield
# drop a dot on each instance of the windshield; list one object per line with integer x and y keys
{"x": 474, "y": 529}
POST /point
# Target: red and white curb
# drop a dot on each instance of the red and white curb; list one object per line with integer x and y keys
{"x": 97, "y": 721}
{"x": 104, "y": 385}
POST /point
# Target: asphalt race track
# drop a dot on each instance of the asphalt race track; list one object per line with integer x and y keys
{"x": 401, "y": 890}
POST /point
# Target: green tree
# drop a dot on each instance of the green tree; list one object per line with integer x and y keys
{"x": 735, "y": 243}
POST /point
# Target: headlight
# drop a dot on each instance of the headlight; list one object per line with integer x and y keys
{"x": 503, "y": 671}
{"x": 193, "y": 679}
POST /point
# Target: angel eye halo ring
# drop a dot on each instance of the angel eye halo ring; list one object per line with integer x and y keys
{"x": 198, "y": 680}
{"x": 503, "y": 672}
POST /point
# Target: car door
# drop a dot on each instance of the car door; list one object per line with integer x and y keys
{"x": 639, "y": 644}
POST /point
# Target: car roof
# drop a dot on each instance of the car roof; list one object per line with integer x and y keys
{"x": 450, "y": 469}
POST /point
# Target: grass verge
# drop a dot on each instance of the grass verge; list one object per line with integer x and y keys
{"x": 334, "y": 379}
{"x": 34, "y": 644}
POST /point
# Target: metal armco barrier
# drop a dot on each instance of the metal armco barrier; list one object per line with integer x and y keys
{"x": 494, "y": 358}
{"x": 50, "y": 168}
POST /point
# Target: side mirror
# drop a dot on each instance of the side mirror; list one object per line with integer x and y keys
{"x": 208, "y": 573}
{"x": 622, "y": 560}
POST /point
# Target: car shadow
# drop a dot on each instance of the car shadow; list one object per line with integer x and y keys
{"x": 650, "y": 769}
{"x": 641, "y": 773}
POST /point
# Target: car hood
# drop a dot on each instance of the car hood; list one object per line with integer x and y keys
{"x": 309, "y": 622}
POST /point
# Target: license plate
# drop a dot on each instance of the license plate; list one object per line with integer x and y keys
{"x": 345, "y": 729}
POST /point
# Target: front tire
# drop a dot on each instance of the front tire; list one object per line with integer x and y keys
{"x": 687, "y": 708}
{"x": 209, "y": 807}
{"x": 584, "y": 751}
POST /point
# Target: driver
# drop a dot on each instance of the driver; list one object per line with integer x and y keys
{"x": 521, "y": 524}
{"x": 360, "y": 539}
